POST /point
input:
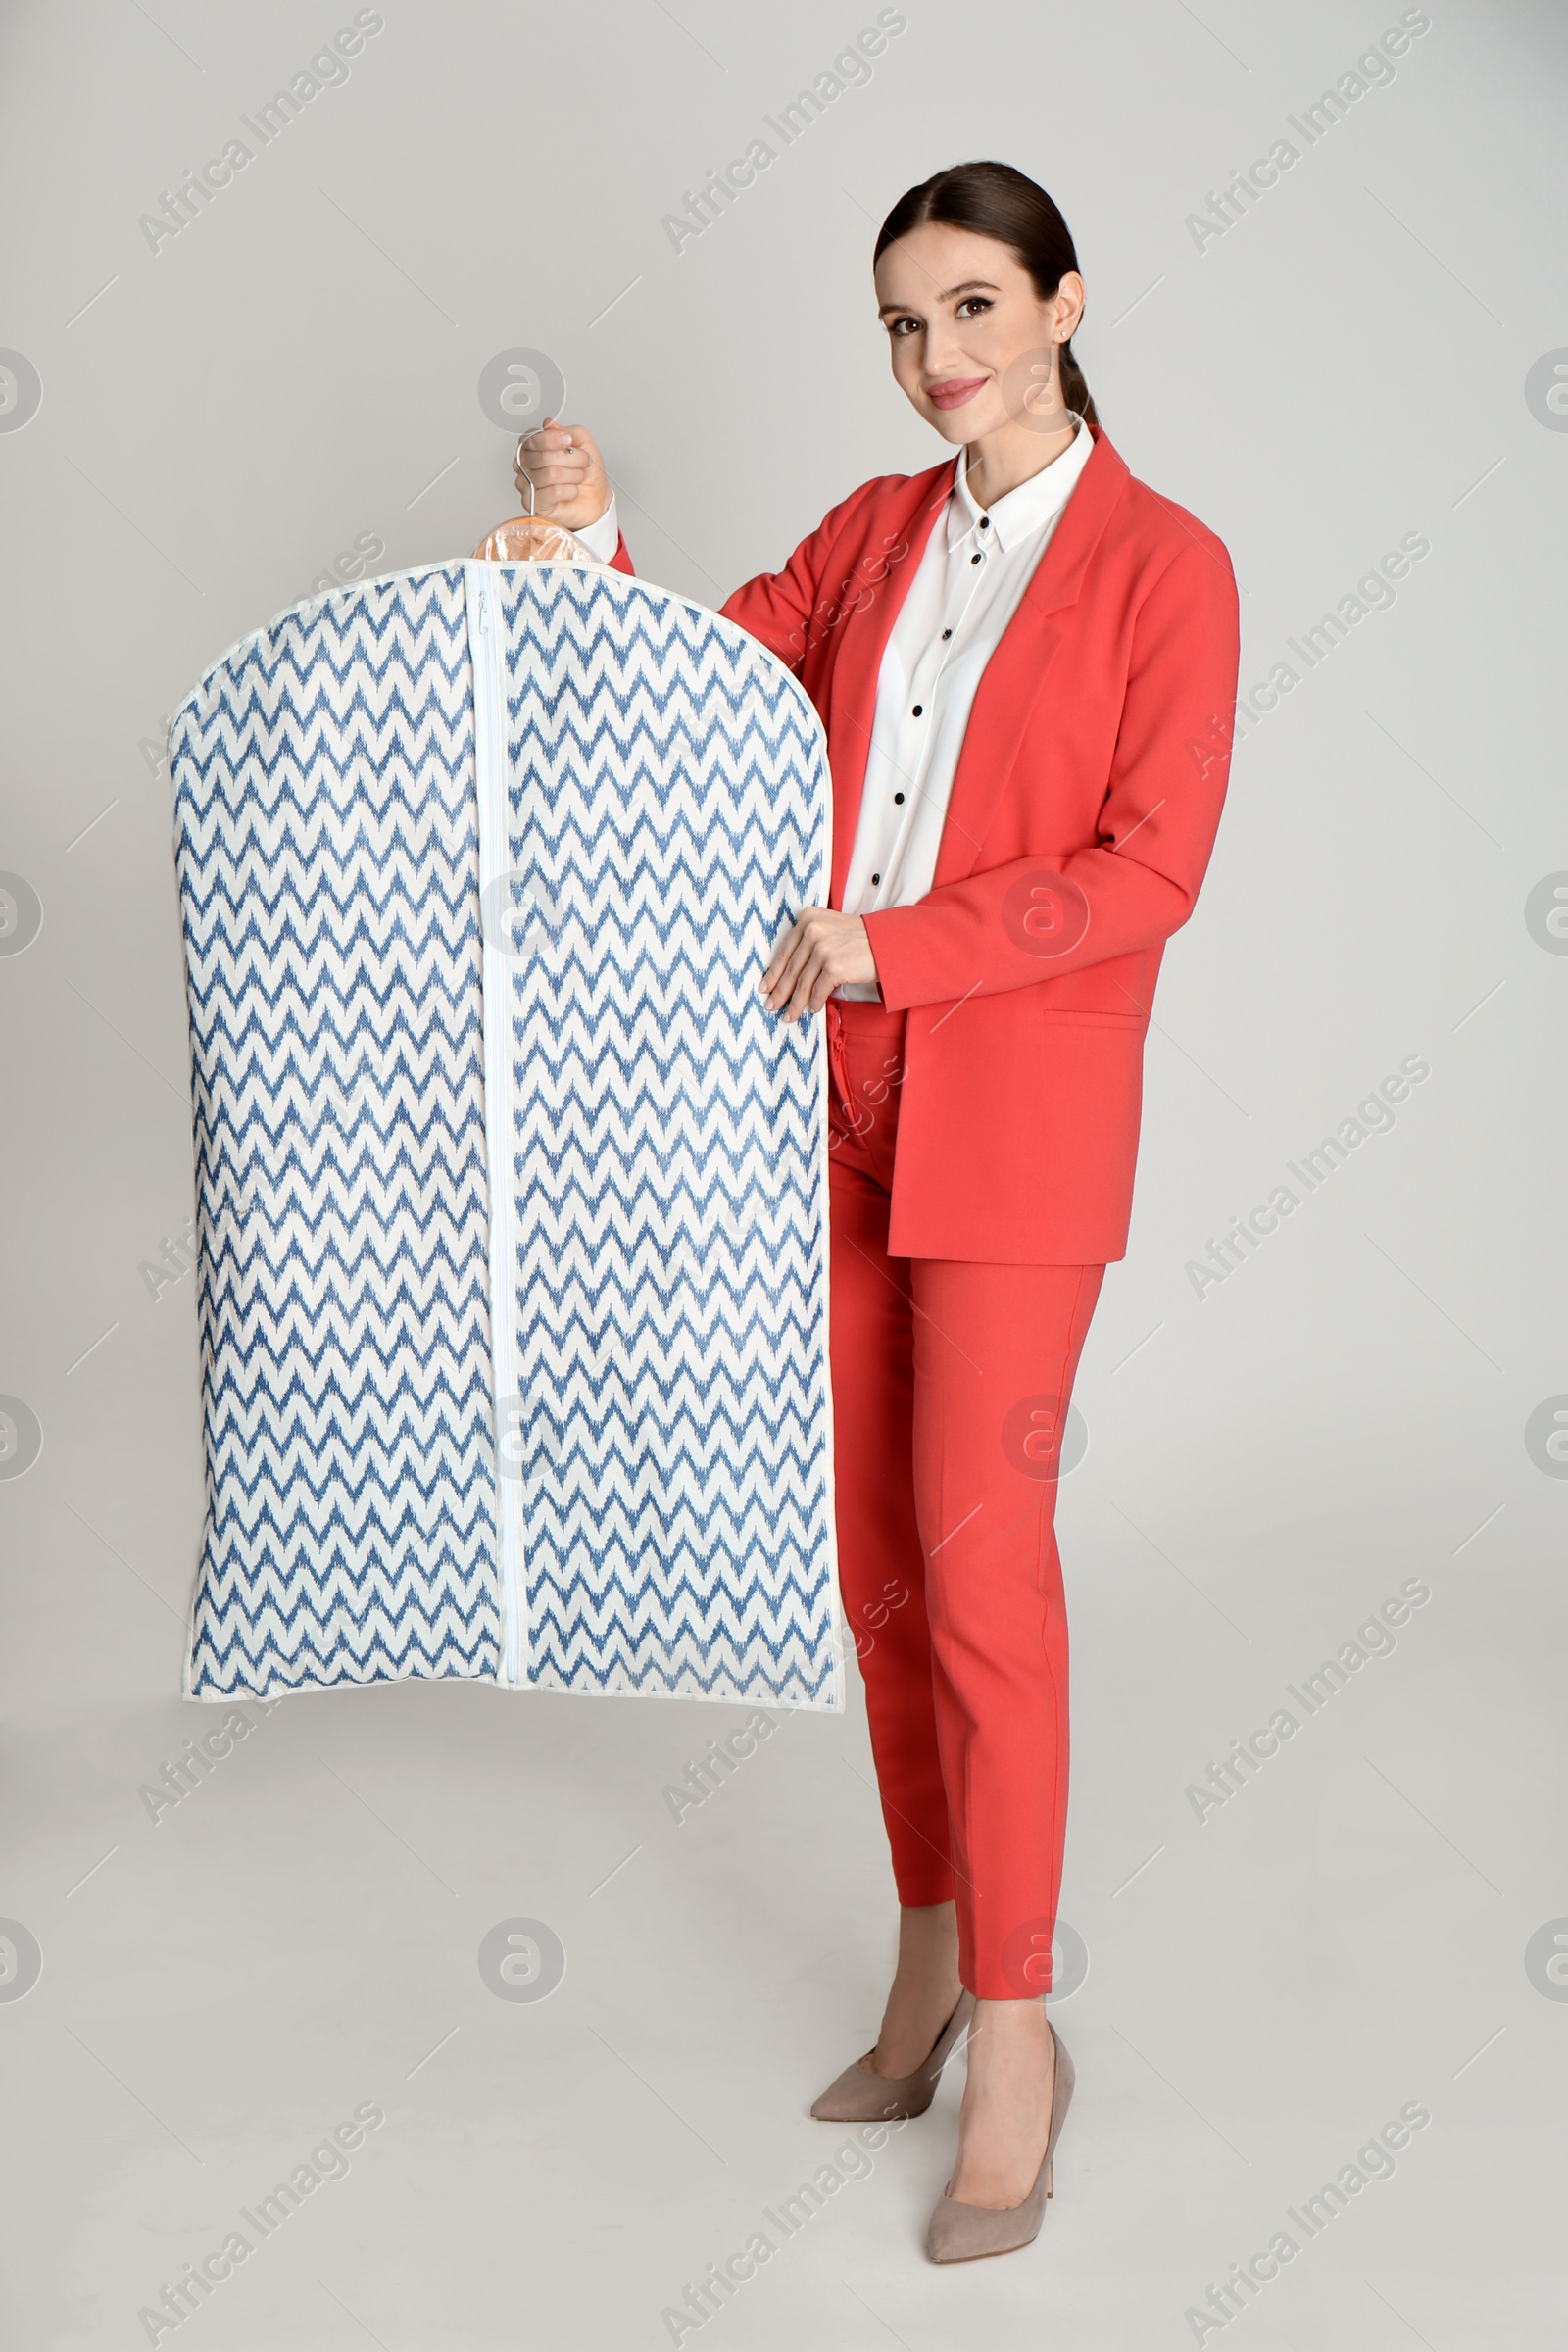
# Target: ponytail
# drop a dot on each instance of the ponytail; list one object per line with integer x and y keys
{"x": 1074, "y": 389}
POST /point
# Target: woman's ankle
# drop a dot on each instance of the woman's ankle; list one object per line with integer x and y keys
{"x": 928, "y": 1936}
{"x": 1006, "y": 2039}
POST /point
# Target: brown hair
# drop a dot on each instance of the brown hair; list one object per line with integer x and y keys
{"x": 996, "y": 201}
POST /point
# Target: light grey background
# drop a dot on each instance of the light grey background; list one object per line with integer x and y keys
{"x": 220, "y": 420}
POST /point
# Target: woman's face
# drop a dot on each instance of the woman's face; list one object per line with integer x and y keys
{"x": 973, "y": 345}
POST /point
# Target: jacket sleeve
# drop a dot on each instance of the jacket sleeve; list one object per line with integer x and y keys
{"x": 1038, "y": 919}
{"x": 781, "y": 609}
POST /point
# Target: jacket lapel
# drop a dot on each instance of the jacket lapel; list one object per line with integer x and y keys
{"x": 906, "y": 521}
{"x": 1016, "y": 672}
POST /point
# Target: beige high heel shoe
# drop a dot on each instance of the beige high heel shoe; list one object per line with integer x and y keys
{"x": 859, "y": 2096}
{"x": 959, "y": 2233}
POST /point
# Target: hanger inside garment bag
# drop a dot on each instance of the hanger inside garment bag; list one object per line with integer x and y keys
{"x": 533, "y": 538}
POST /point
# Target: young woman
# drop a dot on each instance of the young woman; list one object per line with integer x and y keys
{"x": 1025, "y": 661}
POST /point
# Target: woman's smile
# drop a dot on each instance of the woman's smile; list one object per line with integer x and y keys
{"x": 954, "y": 390}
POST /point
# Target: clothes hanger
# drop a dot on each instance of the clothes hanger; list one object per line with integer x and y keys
{"x": 533, "y": 538}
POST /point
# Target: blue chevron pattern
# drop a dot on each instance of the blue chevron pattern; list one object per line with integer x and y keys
{"x": 424, "y": 1085}
{"x": 666, "y": 816}
{"x": 327, "y": 854}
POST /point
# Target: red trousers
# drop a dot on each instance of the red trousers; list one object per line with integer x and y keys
{"x": 950, "y": 1386}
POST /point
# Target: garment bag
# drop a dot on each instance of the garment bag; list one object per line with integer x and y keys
{"x": 511, "y": 1193}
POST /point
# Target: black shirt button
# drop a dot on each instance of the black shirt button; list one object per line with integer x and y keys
{"x": 985, "y": 523}
{"x": 977, "y": 559}
{"x": 947, "y": 633}
{"x": 876, "y": 878}
{"x": 897, "y": 800}
{"x": 918, "y": 708}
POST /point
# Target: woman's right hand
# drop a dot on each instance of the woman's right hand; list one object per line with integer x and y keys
{"x": 562, "y": 462}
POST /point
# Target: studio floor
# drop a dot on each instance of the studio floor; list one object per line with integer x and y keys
{"x": 556, "y": 2149}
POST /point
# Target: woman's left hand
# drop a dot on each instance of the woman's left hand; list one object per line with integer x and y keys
{"x": 817, "y": 954}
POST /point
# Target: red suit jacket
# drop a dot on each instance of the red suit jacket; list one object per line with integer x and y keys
{"x": 1083, "y": 812}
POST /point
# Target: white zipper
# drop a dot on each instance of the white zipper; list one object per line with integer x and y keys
{"x": 490, "y": 769}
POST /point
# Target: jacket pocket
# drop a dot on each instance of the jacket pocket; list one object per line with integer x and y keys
{"x": 1063, "y": 1016}
{"x": 1115, "y": 993}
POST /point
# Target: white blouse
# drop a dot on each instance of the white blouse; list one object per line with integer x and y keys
{"x": 976, "y": 564}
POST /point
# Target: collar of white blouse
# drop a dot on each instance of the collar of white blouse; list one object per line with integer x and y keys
{"x": 1021, "y": 513}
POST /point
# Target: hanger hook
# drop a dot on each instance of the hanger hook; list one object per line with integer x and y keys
{"x": 527, "y": 478}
